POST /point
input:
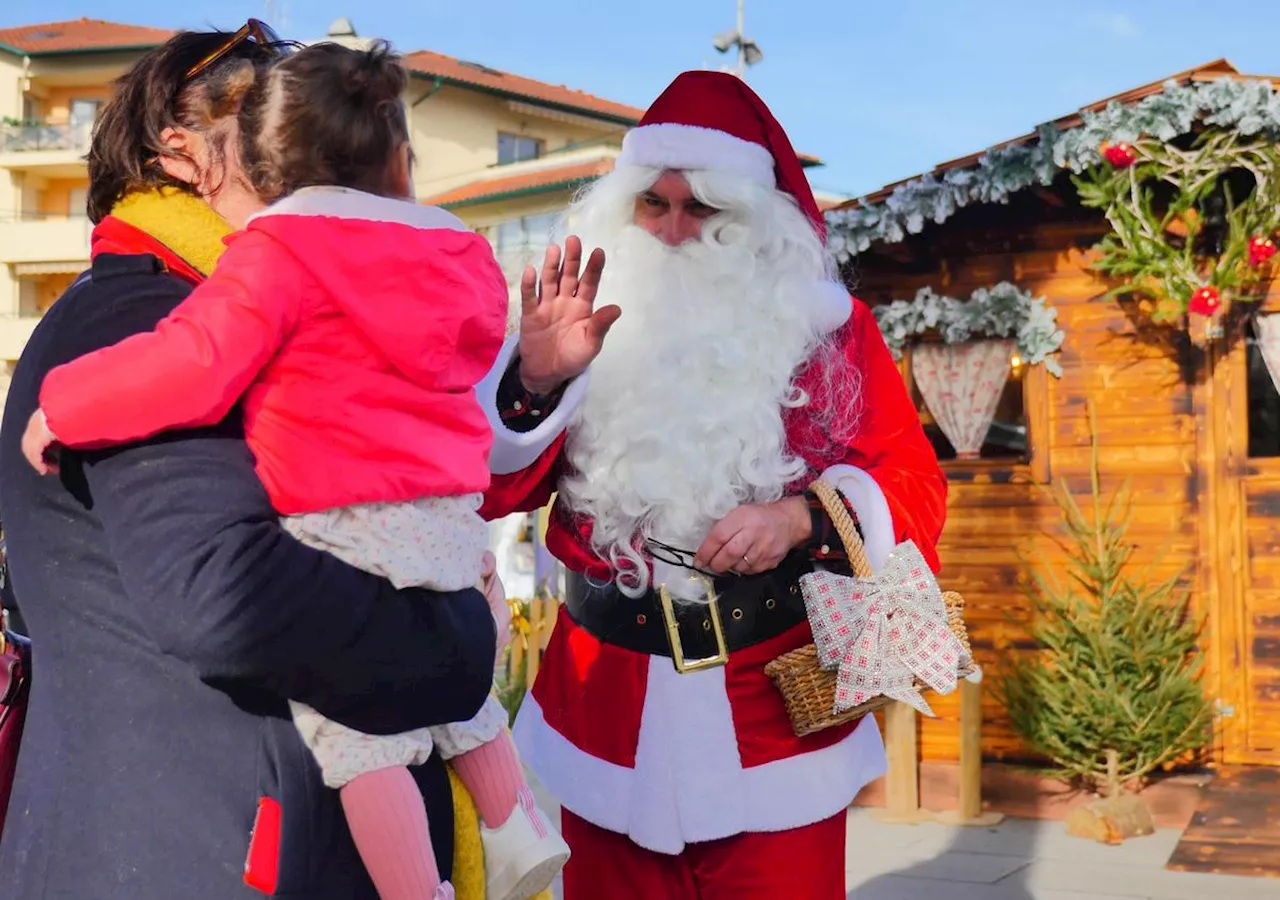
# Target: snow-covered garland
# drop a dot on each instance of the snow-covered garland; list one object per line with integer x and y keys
{"x": 1249, "y": 107}
{"x": 1001, "y": 311}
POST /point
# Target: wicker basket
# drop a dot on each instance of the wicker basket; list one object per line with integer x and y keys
{"x": 809, "y": 690}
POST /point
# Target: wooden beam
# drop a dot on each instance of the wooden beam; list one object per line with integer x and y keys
{"x": 969, "y": 811}
{"x": 902, "y": 784}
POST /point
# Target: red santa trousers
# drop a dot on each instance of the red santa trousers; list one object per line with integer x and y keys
{"x": 805, "y": 863}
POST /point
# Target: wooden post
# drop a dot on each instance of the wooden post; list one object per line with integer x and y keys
{"x": 902, "y": 784}
{"x": 535, "y": 640}
{"x": 970, "y": 805}
{"x": 549, "y": 618}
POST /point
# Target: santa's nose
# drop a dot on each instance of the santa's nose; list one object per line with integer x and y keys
{"x": 678, "y": 227}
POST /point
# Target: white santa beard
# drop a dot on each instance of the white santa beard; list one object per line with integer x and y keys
{"x": 682, "y": 421}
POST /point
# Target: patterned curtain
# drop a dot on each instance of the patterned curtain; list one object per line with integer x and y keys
{"x": 961, "y": 384}
{"x": 1267, "y": 330}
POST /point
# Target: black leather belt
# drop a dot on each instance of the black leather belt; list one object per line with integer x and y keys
{"x": 751, "y": 609}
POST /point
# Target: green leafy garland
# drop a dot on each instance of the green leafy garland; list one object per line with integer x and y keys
{"x": 1247, "y": 107}
{"x": 1195, "y": 246}
{"x": 1001, "y": 311}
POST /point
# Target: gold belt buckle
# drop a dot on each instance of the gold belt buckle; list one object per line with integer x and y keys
{"x": 682, "y": 665}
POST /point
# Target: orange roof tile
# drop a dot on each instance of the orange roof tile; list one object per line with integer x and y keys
{"x": 489, "y": 189}
{"x": 474, "y": 75}
{"x": 79, "y": 35}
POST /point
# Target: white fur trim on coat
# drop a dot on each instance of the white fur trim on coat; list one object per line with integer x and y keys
{"x": 345, "y": 203}
{"x": 834, "y": 305}
{"x": 688, "y": 784}
{"x": 868, "y": 502}
{"x": 672, "y": 146}
{"x": 515, "y": 450}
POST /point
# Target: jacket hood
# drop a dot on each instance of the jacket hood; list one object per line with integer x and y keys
{"x": 423, "y": 288}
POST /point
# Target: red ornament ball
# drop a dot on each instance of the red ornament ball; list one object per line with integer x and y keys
{"x": 1261, "y": 249}
{"x": 1122, "y": 156}
{"x": 1205, "y": 301}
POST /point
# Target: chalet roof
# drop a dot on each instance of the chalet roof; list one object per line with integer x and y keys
{"x": 1210, "y": 71}
{"x": 476, "y": 76}
{"x": 79, "y": 36}
{"x": 488, "y": 190}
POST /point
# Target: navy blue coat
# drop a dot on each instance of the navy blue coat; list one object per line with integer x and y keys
{"x": 171, "y": 617}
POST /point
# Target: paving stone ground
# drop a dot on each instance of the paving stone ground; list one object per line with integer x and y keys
{"x": 1020, "y": 859}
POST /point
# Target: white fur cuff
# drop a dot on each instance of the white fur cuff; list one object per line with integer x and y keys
{"x": 671, "y": 146}
{"x": 868, "y": 502}
{"x": 516, "y": 450}
{"x": 834, "y": 305}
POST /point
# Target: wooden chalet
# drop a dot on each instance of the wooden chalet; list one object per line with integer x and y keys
{"x": 1195, "y": 428}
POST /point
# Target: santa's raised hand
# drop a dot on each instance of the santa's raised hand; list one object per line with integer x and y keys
{"x": 561, "y": 332}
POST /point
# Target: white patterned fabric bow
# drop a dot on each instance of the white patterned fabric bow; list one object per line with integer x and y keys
{"x": 884, "y": 632}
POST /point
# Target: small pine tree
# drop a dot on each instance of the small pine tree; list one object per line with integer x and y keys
{"x": 1117, "y": 669}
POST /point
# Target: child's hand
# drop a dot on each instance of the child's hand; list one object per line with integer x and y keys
{"x": 38, "y": 442}
{"x": 496, "y": 594}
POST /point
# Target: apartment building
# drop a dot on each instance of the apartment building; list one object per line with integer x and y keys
{"x": 504, "y": 152}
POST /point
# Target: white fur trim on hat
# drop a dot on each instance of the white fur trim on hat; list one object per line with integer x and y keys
{"x": 345, "y": 203}
{"x": 672, "y": 146}
{"x": 834, "y": 305}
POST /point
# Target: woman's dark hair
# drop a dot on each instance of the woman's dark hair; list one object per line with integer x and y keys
{"x": 156, "y": 94}
{"x": 326, "y": 115}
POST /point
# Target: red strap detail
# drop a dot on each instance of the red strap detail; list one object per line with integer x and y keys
{"x": 262, "y": 865}
{"x": 111, "y": 235}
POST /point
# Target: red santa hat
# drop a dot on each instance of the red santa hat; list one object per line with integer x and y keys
{"x": 712, "y": 120}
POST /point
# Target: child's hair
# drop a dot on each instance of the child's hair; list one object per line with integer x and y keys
{"x": 326, "y": 115}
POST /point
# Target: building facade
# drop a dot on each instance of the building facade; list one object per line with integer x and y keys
{"x": 504, "y": 152}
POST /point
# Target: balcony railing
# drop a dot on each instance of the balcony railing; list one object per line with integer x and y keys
{"x": 32, "y": 136}
{"x": 31, "y": 238}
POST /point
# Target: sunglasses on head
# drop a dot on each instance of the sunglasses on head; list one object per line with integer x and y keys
{"x": 253, "y": 31}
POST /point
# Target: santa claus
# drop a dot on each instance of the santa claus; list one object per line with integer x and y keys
{"x": 736, "y": 371}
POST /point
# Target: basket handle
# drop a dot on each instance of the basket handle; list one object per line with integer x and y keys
{"x": 845, "y": 527}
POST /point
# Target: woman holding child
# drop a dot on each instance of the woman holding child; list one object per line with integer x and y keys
{"x": 179, "y": 620}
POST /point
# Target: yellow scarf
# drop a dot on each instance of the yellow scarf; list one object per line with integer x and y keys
{"x": 192, "y": 230}
{"x": 182, "y": 222}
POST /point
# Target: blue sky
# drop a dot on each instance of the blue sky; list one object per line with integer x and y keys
{"x": 879, "y": 90}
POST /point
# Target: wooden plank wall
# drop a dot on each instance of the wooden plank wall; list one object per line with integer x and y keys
{"x": 1256, "y": 605}
{"x": 1146, "y": 427}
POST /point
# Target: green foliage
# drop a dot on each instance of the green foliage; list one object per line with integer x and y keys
{"x": 1247, "y": 107}
{"x": 508, "y": 685}
{"x": 1001, "y": 311}
{"x": 1117, "y": 667}
{"x": 1163, "y": 244}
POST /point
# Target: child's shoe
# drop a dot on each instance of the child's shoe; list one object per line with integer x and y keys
{"x": 524, "y": 854}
